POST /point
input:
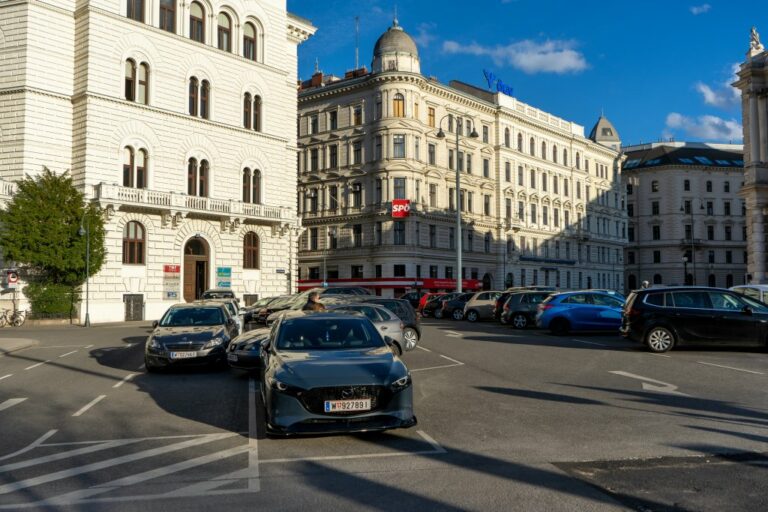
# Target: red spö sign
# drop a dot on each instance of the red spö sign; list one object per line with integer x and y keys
{"x": 401, "y": 208}
{"x": 172, "y": 269}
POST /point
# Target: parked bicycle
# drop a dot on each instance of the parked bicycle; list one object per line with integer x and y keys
{"x": 12, "y": 317}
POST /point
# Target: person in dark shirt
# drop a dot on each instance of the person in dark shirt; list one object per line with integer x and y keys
{"x": 313, "y": 303}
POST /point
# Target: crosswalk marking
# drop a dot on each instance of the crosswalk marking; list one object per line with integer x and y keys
{"x": 10, "y": 403}
{"x": 66, "y": 454}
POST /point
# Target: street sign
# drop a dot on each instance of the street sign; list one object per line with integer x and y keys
{"x": 12, "y": 277}
{"x": 171, "y": 282}
{"x": 223, "y": 277}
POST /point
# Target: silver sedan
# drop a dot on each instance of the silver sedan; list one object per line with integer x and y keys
{"x": 386, "y": 322}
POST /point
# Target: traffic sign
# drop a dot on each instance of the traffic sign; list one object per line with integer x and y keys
{"x": 12, "y": 278}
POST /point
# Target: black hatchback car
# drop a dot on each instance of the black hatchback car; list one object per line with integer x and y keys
{"x": 663, "y": 318}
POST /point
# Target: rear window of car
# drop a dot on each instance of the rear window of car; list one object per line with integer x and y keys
{"x": 655, "y": 299}
{"x": 327, "y": 334}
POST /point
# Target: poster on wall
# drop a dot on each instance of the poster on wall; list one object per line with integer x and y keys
{"x": 171, "y": 282}
{"x": 223, "y": 277}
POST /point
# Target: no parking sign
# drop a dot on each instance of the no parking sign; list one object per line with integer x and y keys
{"x": 12, "y": 277}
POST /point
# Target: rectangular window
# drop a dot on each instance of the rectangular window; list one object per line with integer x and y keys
{"x": 508, "y": 208}
{"x": 556, "y": 213}
{"x": 728, "y": 232}
{"x": 333, "y": 157}
{"x": 710, "y": 232}
{"x": 377, "y": 191}
{"x": 460, "y": 161}
{"x": 314, "y": 160}
{"x": 630, "y": 210}
{"x": 417, "y": 147}
{"x": 578, "y": 190}
{"x": 357, "y": 115}
{"x": 377, "y": 154}
{"x": 452, "y": 199}
{"x": 431, "y": 117}
{"x": 729, "y": 256}
{"x": 688, "y": 232}
{"x": 333, "y": 120}
{"x": 398, "y": 146}
{"x": 521, "y": 210}
{"x": 631, "y": 234}
{"x": 357, "y": 235}
{"x": 314, "y": 125}
{"x": 399, "y": 230}
{"x": 449, "y": 272}
{"x": 332, "y": 238}
{"x": 487, "y": 168}
{"x": 357, "y": 195}
{"x": 520, "y": 180}
{"x": 432, "y": 235}
{"x": 313, "y": 234}
{"x": 727, "y": 207}
{"x": 377, "y": 271}
{"x": 486, "y": 205}
{"x": 399, "y": 270}
{"x": 432, "y": 194}
{"x": 378, "y": 232}
{"x": 711, "y": 256}
{"x": 485, "y": 134}
{"x": 399, "y": 188}
{"x": 710, "y": 208}
{"x": 654, "y": 208}
{"x": 431, "y": 154}
{"x": 356, "y": 271}
{"x": 168, "y": 15}
{"x": 357, "y": 153}
{"x": 450, "y": 159}
{"x": 469, "y": 163}
{"x": 657, "y": 256}
{"x": 565, "y": 187}
{"x": 657, "y": 232}
{"x": 433, "y": 271}
{"x": 532, "y": 184}
{"x": 545, "y": 215}
{"x": 451, "y": 238}
{"x": 333, "y": 198}
{"x": 470, "y": 207}
{"x": 534, "y": 217}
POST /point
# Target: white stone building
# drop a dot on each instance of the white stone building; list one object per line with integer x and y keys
{"x": 541, "y": 203}
{"x": 753, "y": 83}
{"x": 178, "y": 118}
{"x": 686, "y": 217}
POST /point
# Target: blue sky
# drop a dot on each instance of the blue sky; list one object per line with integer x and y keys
{"x": 657, "y": 69}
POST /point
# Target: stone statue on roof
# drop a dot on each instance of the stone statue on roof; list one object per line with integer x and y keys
{"x": 754, "y": 40}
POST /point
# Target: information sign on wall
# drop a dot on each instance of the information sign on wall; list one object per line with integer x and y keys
{"x": 401, "y": 208}
{"x": 171, "y": 282}
{"x": 223, "y": 277}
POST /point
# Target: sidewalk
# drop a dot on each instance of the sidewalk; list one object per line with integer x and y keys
{"x": 8, "y": 345}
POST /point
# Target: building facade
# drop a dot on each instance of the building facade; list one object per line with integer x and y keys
{"x": 540, "y": 202}
{"x": 753, "y": 84}
{"x": 177, "y": 118}
{"x": 687, "y": 222}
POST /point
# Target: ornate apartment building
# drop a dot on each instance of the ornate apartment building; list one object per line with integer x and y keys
{"x": 540, "y": 202}
{"x": 753, "y": 84}
{"x": 177, "y": 118}
{"x": 687, "y": 223}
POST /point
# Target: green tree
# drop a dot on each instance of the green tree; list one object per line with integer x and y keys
{"x": 39, "y": 231}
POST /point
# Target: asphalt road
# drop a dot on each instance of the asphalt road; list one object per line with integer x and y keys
{"x": 508, "y": 420}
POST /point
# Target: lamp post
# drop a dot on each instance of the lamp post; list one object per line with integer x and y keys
{"x": 87, "y": 233}
{"x": 685, "y": 269}
{"x": 459, "y": 234}
{"x": 693, "y": 232}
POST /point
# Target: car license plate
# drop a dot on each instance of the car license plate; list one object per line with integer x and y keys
{"x": 183, "y": 355}
{"x": 232, "y": 357}
{"x": 363, "y": 404}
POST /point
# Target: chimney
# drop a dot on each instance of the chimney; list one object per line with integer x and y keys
{"x": 317, "y": 79}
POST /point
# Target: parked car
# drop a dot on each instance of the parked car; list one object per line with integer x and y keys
{"x": 332, "y": 373}
{"x": 434, "y": 307}
{"x": 189, "y": 334}
{"x": 345, "y": 290}
{"x": 413, "y": 297}
{"x": 755, "y": 291}
{"x": 404, "y": 311}
{"x": 521, "y": 307}
{"x": 280, "y": 303}
{"x": 480, "y": 306}
{"x": 580, "y": 311}
{"x": 218, "y": 293}
{"x": 243, "y": 351}
{"x": 498, "y": 306}
{"x": 427, "y": 297}
{"x": 385, "y": 321}
{"x": 234, "y": 311}
{"x": 663, "y": 318}
{"x": 249, "y": 312}
{"x": 454, "y": 308}
{"x": 534, "y": 288}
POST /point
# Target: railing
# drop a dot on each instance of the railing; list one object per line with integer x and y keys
{"x": 171, "y": 200}
{"x": 7, "y": 188}
{"x": 692, "y": 241}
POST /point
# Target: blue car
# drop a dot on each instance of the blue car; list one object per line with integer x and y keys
{"x": 580, "y": 311}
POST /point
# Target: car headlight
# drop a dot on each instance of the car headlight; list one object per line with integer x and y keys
{"x": 401, "y": 383}
{"x": 279, "y": 385}
{"x": 153, "y": 344}
{"x": 218, "y": 340}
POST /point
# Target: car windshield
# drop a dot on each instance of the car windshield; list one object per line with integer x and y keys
{"x": 182, "y": 317}
{"x": 327, "y": 334}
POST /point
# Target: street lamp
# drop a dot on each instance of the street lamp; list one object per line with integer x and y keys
{"x": 693, "y": 232}
{"x": 459, "y": 234}
{"x": 86, "y": 232}
{"x": 685, "y": 269}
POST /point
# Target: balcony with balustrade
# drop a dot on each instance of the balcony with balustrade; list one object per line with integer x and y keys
{"x": 7, "y": 190}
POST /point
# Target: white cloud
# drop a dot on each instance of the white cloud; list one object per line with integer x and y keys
{"x": 723, "y": 95}
{"x": 705, "y": 127}
{"x": 552, "y": 56}
{"x": 425, "y": 34}
{"x": 700, "y": 9}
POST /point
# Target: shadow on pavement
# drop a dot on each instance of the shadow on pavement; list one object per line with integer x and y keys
{"x": 539, "y": 395}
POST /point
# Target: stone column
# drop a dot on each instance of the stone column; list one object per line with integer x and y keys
{"x": 754, "y": 135}
{"x": 757, "y": 246}
{"x": 763, "y": 127}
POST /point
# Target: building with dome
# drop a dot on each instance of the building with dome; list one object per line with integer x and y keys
{"x": 540, "y": 203}
{"x": 177, "y": 118}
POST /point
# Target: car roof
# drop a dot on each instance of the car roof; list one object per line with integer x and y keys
{"x": 763, "y": 287}
{"x": 319, "y": 315}
{"x": 681, "y": 289}
{"x": 196, "y": 304}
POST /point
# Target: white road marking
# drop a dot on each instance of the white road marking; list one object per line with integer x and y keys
{"x": 6, "y": 376}
{"x": 32, "y": 446}
{"x": 142, "y": 367}
{"x": 422, "y": 348}
{"x": 89, "y": 405}
{"x": 96, "y": 466}
{"x": 660, "y": 355}
{"x": 450, "y": 359}
{"x": 38, "y": 364}
{"x": 590, "y": 343}
{"x": 153, "y": 438}
{"x": 67, "y": 354}
{"x": 431, "y": 440}
{"x": 125, "y": 379}
{"x": 731, "y": 368}
{"x": 10, "y": 403}
{"x": 661, "y": 387}
{"x": 454, "y": 334}
{"x": 65, "y": 454}
{"x": 88, "y": 346}
{"x": 253, "y": 442}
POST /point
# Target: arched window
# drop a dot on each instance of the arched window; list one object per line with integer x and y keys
{"x": 246, "y": 185}
{"x": 196, "y": 22}
{"x": 136, "y": 10}
{"x": 247, "y": 110}
{"x": 128, "y": 163}
{"x": 204, "y": 171}
{"x": 168, "y": 15}
{"x": 554, "y": 153}
{"x": 520, "y": 142}
{"x": 249, "y": 41}
{"x": 398, "y": 105}
{"x": 133, "y": 243}
{"x": 192, "y": 177}
{"x": 256, "y": 187}
{"x": 711, "y": 281}
{"x": 257, "y": 113}
{"x": 565, "y": 157}
{"x": 194, "y": 95}
{"x": 205, "y": 99}
{"x": 543, "y": 150}
{"x": 141, "y": 169}
{"x": 507, "y": 142}
{"x": 130, "y": 80}
{"x": 657, "y": 278}
{"x": 225, "y": 32}
{"x": 251, "y": 250}
{"x": 532, "y": 147}
{"x": 143, "y": 96}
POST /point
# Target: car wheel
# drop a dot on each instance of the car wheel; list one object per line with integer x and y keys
{"x": 519, "y": 321}
{"x": 438, "y": 314}
{"x": 457, "y": 314}
{"x": 559, "y": 326}
{"x": 472, "y": 315}
{"x": 411, "y": 337}
{"x": 659, "y": 339}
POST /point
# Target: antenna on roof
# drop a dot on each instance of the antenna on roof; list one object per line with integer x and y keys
{"x": 394, "y": 21}
{"x": 357, "y": 42}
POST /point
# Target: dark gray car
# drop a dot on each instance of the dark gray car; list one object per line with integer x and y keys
{"x": 521, "y": 307}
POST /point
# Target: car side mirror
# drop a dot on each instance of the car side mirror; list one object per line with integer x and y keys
{"x": 746, "y": 310}
{"x": 155, "y": 324}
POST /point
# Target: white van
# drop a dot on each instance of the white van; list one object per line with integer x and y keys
{"x": 755, "y": 291}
